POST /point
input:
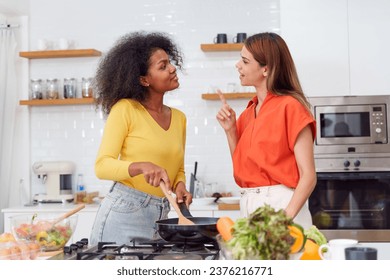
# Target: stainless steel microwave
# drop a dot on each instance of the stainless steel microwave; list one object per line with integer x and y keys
{"x": 351, "y": 124}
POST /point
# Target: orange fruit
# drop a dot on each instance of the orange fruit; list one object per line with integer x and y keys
{"x": 297, "y": 233}
{"x": 311, "y": 251}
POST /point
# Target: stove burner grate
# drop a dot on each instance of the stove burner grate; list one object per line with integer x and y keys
{"x": 145, "y": 250}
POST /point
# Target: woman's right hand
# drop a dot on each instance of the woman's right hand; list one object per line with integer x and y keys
{"x": 226, "y": 116}
{"x": 153, "y": 173}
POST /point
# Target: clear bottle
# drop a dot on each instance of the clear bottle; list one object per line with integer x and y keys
{"x": 80, "y": 183}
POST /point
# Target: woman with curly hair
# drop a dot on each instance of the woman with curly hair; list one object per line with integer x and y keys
{"x": 143, "y": 141}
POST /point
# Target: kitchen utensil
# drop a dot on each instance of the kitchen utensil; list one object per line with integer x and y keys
{"x": 193, "y": 179}
{"x": 203, "y": 230}
{"x": 182, "y": 220}
{"x": 68, "y": 214}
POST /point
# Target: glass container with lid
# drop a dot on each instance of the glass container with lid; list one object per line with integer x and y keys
{"x": 36, "y": 87}
{"x": 52, "y": 89}
{"x": 86, "y": 87}
{"x": 70, "y": 87}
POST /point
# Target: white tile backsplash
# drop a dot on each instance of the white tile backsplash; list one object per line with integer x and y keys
{"x": 74, "y": 132}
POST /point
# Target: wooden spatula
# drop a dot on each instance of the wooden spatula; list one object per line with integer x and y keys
{"x": 182, "y": 220}
{"x": 47, "y": 226}
{"x": 68, "y": 214}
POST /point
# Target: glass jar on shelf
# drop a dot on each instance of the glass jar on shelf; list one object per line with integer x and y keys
{"x": 36, "y": 87}
{"x": 70, "y": 87}
{"x": 52, "y": 89}
{"x": 86, "y": 87}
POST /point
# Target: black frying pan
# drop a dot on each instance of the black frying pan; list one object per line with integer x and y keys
{"x": 204, "y": 230}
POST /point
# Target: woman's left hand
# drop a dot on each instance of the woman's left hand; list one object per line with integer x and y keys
{"x": 182, "y": 195}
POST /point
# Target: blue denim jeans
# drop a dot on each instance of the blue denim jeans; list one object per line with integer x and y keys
{"x": 126, "y": 214}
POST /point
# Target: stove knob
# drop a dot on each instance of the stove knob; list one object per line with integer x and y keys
{"x": 346, "y": 163}
{"x": 73, "y": 247}
{"x": 67, "y": 250}
{"x": 357, "y": 163}
{"x": 80, "y": 244}
{"x": 84, "y": 240}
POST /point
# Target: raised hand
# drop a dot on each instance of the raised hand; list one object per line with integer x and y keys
{"x": 226, "y": 116}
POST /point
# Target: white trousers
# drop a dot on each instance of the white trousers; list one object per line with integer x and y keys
{"x": 277, "y": 196}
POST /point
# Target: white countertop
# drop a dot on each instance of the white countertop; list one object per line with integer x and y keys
{"x": 57, "y": 207}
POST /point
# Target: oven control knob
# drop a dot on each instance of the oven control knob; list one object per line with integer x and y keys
{"x": 346, "y": 163}
{"x": 378, "y": 130}
{"x": 357, "y": 163}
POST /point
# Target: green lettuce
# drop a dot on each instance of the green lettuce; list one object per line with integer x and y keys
{"x": 314, "y": 234}
{"x": 264, "y": 235}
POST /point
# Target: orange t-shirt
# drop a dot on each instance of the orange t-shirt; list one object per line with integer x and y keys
{"x": 264, "y": 155}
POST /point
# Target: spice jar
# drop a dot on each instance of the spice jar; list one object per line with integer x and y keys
{"x": 36, "y": 89}
{"x": 70, "y": 87}
{"x": 52, "y": 89}
{"x": 86, "y": 87}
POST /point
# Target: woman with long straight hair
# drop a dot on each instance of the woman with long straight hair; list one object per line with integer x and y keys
{"x": 271, "y": 143}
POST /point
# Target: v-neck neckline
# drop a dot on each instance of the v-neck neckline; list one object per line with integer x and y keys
{"x": 155, "y": 121}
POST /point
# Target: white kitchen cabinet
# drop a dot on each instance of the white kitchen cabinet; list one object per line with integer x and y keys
{"x": 340, "y": 47}
{"x": 369, "y": 46}
{"x": 316, "y": 33}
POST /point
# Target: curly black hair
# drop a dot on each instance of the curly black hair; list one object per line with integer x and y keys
{"x": 119, "y": 71}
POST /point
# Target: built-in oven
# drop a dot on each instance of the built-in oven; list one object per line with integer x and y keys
{"x": 353, "y": 204}
{"x": 352, "y": 158}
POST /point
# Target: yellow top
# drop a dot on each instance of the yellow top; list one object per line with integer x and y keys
{"x": 132, "y": 135}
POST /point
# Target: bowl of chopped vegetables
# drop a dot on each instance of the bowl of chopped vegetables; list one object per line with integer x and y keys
{"x": 266, "y": 234}
{"x": 45, "y": 229}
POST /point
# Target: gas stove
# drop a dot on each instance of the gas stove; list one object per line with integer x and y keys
{"x": 139, "y": 250}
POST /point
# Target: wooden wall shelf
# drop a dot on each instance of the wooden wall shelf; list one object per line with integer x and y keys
{"x": 51, "y": 102}
{"x": 235, "y": 95}
{"x": 221, "y": 47}
{"x": 60, "y": 53}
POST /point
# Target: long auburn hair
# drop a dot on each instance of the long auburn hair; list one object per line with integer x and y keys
{"x": 270, "y": 49}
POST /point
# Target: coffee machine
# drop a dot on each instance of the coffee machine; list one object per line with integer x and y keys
{"x": 57, "y": 177}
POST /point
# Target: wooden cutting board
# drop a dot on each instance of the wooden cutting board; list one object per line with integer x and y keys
{"x": 225, "y": 206}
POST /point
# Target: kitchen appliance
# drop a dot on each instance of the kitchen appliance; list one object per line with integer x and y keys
{"x": 57, "y": 177}
{"x": 352, "y": 125}
{"x": 139, "y": 250}
{"x": 352, "y": 158}
{"x": 202, "y": 230}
